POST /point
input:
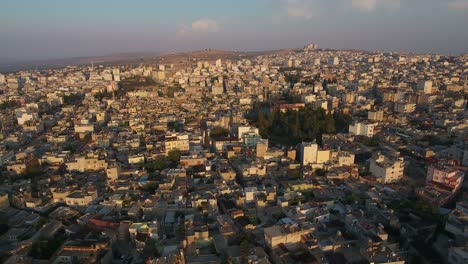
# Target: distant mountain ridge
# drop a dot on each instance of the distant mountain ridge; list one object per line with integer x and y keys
{"x": 12, "y": 65}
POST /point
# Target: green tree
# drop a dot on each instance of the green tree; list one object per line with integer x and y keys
{"x": 174, "y": 155}
{"x": 158, "y": 164}
{"x": 219, "y": 132}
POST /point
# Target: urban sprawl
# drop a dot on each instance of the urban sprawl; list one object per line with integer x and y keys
{"x": 304, "y": 156}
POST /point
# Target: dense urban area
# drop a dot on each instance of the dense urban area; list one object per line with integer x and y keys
{"x": 300, "y": 156}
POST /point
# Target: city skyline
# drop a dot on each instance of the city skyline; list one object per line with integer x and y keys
{"x": 53, "y": 29}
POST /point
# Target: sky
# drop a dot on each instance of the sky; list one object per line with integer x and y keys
{"x": 49, "y": 29}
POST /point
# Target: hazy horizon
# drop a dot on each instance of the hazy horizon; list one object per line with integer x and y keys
{"x": 50, "y": 29}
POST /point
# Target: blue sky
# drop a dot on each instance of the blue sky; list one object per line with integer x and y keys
{"x": 33, "y": 29}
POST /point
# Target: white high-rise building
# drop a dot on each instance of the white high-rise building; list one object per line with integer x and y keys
{"x": 362, "y": 129}
{"x": 241, "y": 130}
{"x": 308, "y": 153}
{"x": 387, "y": 168}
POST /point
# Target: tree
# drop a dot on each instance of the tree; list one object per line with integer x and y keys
{"x": 149, "y": 187}
{"x": 174, "y": 155}
{"x": 219, "y": 132}
{"x": 159, "y": 164}
{"x": 8, "y": 104}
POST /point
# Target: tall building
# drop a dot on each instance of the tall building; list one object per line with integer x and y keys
{"x": 404, "y": 107}
{"x": 311, "y": 46}
{"x": 425, "y": 86}
{"x": 445, "y": 177}
{"x": 333, "y": 61}
{"x": 376, "y": 115}
{"x": 176, "y": 141}
{"x": 241, "y": 130}
{"x": 386, "y": 167}
{"x": 262, "y": 148}
{"x": 362, "y": 129}
{"x": 316, "y": 61}
{"x": 308, "y": 153}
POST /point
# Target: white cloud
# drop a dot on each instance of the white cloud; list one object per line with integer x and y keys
{"x": 459, "y": 4}
{"x": 371, "y": 5}
{"x": 205, "y": 25}
{"x": 202, "y": 25}
{"x": 302, "y": 9}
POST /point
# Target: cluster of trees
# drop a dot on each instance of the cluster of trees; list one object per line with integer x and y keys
{"x": 293, "y": 127}
{"x": 219, "y": 132}
{"x": 156, "y": 165}
{"x": 175, "y": 126}
{"x": 171, "y": 90}
{"x": 136, "y": 82}
{"x": 8, "y": 104}
{"x": 173, "y": 158}
{"x": 74, "y": 99}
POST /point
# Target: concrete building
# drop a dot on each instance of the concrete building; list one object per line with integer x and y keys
{"x": 446, "y": 177}
{"x": 86, "y": 164}
{"x": 333, "y": 61}
{"x": 177, "y": 141}
{"x": 262, "y": 148}
{"x": 404, "y": 107}
{"x": 81, "y": 198}
{"x": 241, "y": 130}
{"x": 425, "y": 86}
{"x": 362, "y": 129}
{"x": 458, "y": 255}
{"x": 308, "y": 153}
{"x": 286, "y": 234}
{"x": 387, "y": 168}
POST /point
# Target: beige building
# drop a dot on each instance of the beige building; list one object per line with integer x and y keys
{"x": 362, "y": 129}
{"x": 262, "y": 147}
{"x": 377, "y": 115}
{"x": 308, "y": 153}
{"x": 177, "y": 141}
{"x": 323, "y": 156}
{"x": 80, "y": 198}
{"x": 286, "y": 234}
{"x": 86, "y": 164}
{"x": 387, "y": 168}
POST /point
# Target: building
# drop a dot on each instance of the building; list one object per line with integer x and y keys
{"x": 459, "y": 154}
{"x": 458, "y": 255}
{"x": 286, "y": 234}
{"x": 376, "y": 115}
{"x": 311, "y": 46}
{"x": 81, "y": 198}
{"x": 333, "y": 61}
{"x": 4, "y": 201}
{"x": 362, "y": 129}
{"x": 241, "y": 130}
{"x": 425, "y": 86}
{"x": 447, "y": 178}
{"x": 386, "y": 167}
{"x": 86, "y": 164}
{"x": 404, "y": 107}
{"x": 177, "y": 141}
{"x": 262, "y": 148}
{"x": 308, "y": 153}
